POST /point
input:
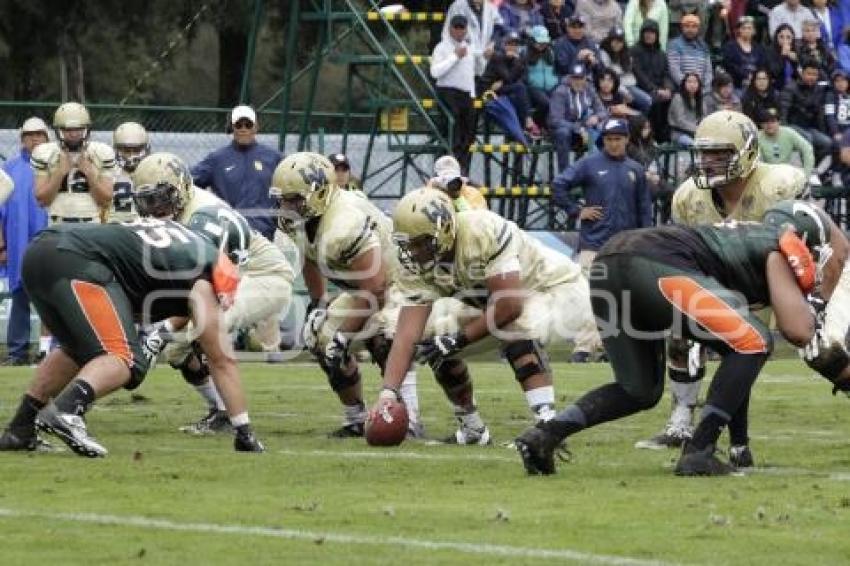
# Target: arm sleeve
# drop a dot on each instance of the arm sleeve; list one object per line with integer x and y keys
{"x": 558, "y": 108}
{"x": 202, "y": 172}
{"x": 674, "y": 60}
{"x": 785, "y": 100}
{"x": 629, "y": 21}
{"x": 6, "y": 187}
{"x": 829, "y": 113}
{"x": 442, "y": 60}
{"x": 664, "y": 27}
{"x": 563, "y": 184}
{"x": 807, "y": 154}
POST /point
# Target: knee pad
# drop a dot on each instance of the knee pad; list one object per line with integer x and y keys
{"x": 338, "y": 379}
{"x": 379, "y": 346}
{"x": 193, "y": 376}
{"x": 516, "y": 350}
{"x": 830, "y": 361}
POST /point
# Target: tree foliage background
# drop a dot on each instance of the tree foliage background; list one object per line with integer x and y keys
{"x": 158, "y": 52}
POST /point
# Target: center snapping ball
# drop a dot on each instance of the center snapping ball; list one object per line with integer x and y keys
{"x": 387, "y": 425}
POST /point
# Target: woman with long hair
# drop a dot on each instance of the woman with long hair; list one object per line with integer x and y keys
{"x": 616, "y": 102}
{"x": 687, "y": 109}
{"x": 614, "y": 55}
{"x": 741, "y": 55}
{"x": 782, "y": 57}
{"x": 760, "y": 94}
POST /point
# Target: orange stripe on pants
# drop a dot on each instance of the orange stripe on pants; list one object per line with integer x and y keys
{"x": 103, "y": 318}
{"x": 709, "y": 310}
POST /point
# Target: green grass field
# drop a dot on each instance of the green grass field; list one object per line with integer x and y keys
{"x": 162, "y": 497}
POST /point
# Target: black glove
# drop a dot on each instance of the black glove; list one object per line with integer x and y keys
{"x": 438, "y": 349}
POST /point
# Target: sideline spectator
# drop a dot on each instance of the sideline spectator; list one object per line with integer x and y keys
{"x": 844, "y": 50}
{"x": 574, "y": 47}
{"x": 643, "y": 149}
{"x": 520, "y": 15}
{"x": 599, "y": 16}
{"x": 759, "y": 95}
{"x": 21, "y": 218}
{"x": 616, "y": 198}
{"x": 614, "y": 55}
{"x": 831, "y": 20}
{"x": 482, "y": 20}
{"x": 837, "y": 105}
{"x": 811, "y": 46}
{"x": 505, "y": 75}
{"x": 554, "y": 14}
{"x": 843, "y": 168}
{"x": 801, "y": 107}
{"x": 680, "y": 8}
{"x": 453, "y": 67}
{"x": 722, "y": 95}
{"x": 540, "y": 76}
{"x": 689, "y": 54}
{"x": 240, "y": 173}
{"x": 789, "y": 12}
{"x": 637, "y": 12}
{"x": 777, "y": 144}
{"x": 687, "y": 109}
{"x": 741, "y": 56}
{"x": 575, "y": 113}
{"x": 448, "y": 178}
{"x": 782, "y": 58}
{"x": 607, "y": 85}
{"x": 342, "y": 168}
{"x": 650, "y": 66}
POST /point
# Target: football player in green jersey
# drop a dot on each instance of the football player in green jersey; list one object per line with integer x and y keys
{"x": 89, "y": 284}
{"x": 701, "y": 282}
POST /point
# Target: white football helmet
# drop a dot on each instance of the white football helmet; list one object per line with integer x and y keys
{"x": 131, "y": 144}
{"x": 72, "y": 116}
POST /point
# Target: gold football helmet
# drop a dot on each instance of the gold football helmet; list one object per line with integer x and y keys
{"x": 131, "y": 144}
{"x": 726, "y": 149}
{"x": 425, "y": 226}
{"x": 303, "y": 185}
{"x": 72, "y": 116}
{"x": 162, "y": 185}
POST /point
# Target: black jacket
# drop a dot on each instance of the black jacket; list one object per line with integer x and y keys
{"x": 649, "y": 63}
{"x": 802, "y": 105}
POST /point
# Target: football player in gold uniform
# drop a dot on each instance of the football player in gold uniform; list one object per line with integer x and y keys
{"x": 132, "y": 144}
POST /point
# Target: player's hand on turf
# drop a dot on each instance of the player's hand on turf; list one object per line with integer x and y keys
{"x": 336, "y": 350}
{"x": 437, "y": 349}
{"x": 312, "y": 327}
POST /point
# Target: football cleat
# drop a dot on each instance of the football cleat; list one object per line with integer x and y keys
{"x": 741, "y": 456}
{"x": 580, "y": 358}
{"x": 352, "y": 430}
{"x": 214, "y": 422}
{"x": 246, "y": 441}
{"x": 673, "y": 436}
{"x": 536, "y": 447}
{"x": 703, "y": 462}
{"x": 11, "y": 441}
{"x": 71, "y": 429}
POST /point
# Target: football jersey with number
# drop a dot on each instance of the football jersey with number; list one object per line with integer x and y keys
{"x": 123, "y": 208}
{"x": 74, "y": 200}
{"x": 734, "y": 253}
{"x": 145, "y": 256}
{"x": 767, "y": 185}
{"x": 263, "y": 256}
{"x": 487, "y": 245}
{"x": 349, "y": 227}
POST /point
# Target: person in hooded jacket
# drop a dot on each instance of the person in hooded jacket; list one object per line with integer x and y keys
{"x": 649, "y": 64}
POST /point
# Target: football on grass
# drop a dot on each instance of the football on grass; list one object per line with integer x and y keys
{"x": 387, "y": 425}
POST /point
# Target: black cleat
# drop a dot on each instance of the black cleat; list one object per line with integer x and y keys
{"x": 703, "y": 462}
{"x": 71, "y": 429}
{"x": 246, "y": 441}
{"x": 580, "y": 358}
{"x": 537, "y": 447}
{"x": 11, "y": 441}
{"x": 741, "y": 456}
{"x": 214, "y": 422}
{"x": 353, "y": 430}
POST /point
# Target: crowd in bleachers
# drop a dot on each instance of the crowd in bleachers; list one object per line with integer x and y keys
{"x": 564, "y": 66}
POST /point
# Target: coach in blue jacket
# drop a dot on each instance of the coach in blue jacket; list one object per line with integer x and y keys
{"x": 241, "y": 173}
{"x": 616, "y": 198}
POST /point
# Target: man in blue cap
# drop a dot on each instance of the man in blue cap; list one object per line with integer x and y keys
{"x": 616, "y": 198}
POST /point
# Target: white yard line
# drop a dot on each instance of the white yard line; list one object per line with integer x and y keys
{"x": 320, "y": 537}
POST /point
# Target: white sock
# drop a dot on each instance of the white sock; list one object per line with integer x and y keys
{"x": 44, "y": 344}
{"x": 240, "y": 420}
{"x": 471, "y": 420}
{"x": 541, "y": 401}
{"x": 354, "y": 414}
{"x": 409, "y": 396}
{"x": 685, "y": 393}
{"x": 210, "y": 394}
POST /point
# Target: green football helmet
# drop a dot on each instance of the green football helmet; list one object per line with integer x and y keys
{"x": 811, "y": 224}
{"x": 225, "y": 228}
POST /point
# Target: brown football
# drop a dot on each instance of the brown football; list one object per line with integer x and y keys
{"x": 387, "y": 425}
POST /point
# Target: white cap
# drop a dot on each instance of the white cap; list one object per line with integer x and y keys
{"x": 34, "y": 124}
{"x": 447, "y": 166}
{"x": 243, "y": 112}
